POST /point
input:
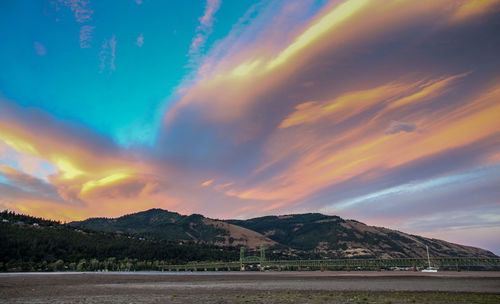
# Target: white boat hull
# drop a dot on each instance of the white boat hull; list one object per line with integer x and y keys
{"x": 429, "y": 270}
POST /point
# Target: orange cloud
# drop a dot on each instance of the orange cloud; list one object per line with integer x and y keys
{"x": 90, "y": 172}
{"x": 429, "y": 90}
{"x": 345, "y": 106}
{"x": 247, "y": 75}
{"x": 472, "y": 9}
{"x": 308, "y": 139}
{"x": 103, "y": 182}
{"x": 220, "y": 187}
{"x": 386, "y": 97}
{"x": 367, "y": 149}
{"x": 343, "y": 12}
{"x": 207, "y": 183}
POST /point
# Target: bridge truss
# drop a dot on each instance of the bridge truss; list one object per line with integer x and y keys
{"x": 258, "y": 263}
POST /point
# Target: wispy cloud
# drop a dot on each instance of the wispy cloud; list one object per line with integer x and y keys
{"x": 86, "y": 32}
{"x": 140, "y": 40}
{"x": 83, "y": 14}
{"x": 81, "y": 8}
{"x": 207, "y": 183}
{"x": 39, "y": 48}
{"x": 474, "y": 8}
{"x": 31, "y": 165}
{"x": 21, "y": 186}
{"x": 107, "y": 55}
{"x": 210, "y": 9}
{"x": 349, "y": 104}
{"x": 326, "y": 160}
{"x": 397, "y": 127}
{"x": 205, "y": 27}
{"x": 304, "y": 140}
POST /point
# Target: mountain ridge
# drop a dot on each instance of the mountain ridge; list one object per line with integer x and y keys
{"x": 168, "y": 225}
{"x": 313, "y": 234}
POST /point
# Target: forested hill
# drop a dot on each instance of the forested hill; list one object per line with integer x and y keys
{"x": 35, "y": 244}
{"x": 168, "y": 225}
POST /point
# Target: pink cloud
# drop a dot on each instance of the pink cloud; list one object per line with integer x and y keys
{"x": 140, "y": 40}
{"x": 207, "y": 183}
{"x": 210, "y": 9}
{"x": 206, "y": 24}
{"x": 40, "y": 49}
{"x": 83, "y": 13}
{"x": 86, "y": 32}
{"x": 81, "y": 8}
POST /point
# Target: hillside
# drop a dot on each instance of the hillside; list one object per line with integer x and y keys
{"x": 311, "y": 235}
{"x": 31, "y": 244}
{"x": 167, "y": 225}
{"x": 334, "y": 236}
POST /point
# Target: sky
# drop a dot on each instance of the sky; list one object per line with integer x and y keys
{"x": 386, "y": 112}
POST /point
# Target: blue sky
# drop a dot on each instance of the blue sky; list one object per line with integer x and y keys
{"x": 46, "y": 66}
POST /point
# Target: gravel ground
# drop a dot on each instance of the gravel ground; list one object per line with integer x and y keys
{"x": 247, "y": 287}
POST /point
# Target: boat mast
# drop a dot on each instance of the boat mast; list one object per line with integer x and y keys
{"x": 428, "y": 258}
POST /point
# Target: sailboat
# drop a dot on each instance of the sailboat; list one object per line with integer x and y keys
{"x": 430, "y": 268}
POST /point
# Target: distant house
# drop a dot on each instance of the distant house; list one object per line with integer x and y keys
{"x": 5, "y": 220}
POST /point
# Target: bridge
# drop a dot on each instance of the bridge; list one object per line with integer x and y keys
{"x": 260, "y": 263}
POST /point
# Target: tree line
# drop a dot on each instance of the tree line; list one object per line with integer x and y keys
{"x": 36, "y": 244}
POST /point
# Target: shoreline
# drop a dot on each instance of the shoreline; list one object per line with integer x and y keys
{"x": 476, "y": 274}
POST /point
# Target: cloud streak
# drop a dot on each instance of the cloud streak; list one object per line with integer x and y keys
{"x": 337, "y": 101}
{"x": 205, "y": 28}
{"x": 107, "y": 55}
{"x": 397, "y": 127}
{"x": 86, "y": 35}
{"x": 40, "y": 49}
{"x": 90, "y": 170}
{"x": 140, "y": 40}
{"x": 81, "y": 9}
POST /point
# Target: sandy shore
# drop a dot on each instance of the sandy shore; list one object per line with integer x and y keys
{"x": 245, "y": 287}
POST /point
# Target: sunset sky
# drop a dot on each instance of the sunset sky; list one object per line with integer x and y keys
{"x": 387, "y": 112}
